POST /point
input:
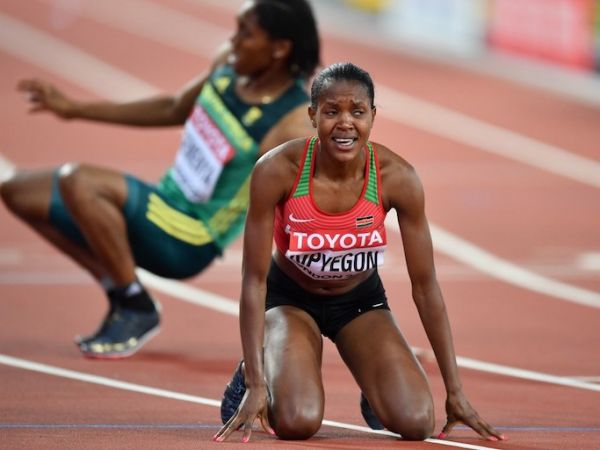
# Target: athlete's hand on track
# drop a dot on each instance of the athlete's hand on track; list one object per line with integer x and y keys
{"x": 45, "y": 97}
{"x": 459, "y": 410}
{"x": 254, "y": 404}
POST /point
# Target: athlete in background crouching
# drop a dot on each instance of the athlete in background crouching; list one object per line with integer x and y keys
{"x": 252, "y": 99}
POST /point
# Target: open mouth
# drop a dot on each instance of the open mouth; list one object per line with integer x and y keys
{"x": 344, "y": 142}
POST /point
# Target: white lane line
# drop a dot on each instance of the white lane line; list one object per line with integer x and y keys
{"x": 389, "y": 433}
{"x": 514, "y": 372}
{"x": 483, "y": 261}
{"x": 473, "y": 256}
{"x": 164, "y": 393}
{"x": 493, "y": 139}
{"x": 589, "y": 379}
{"x": 103, "y": 381}
{"x": 156, "y": 22}
{"x": 190, "y": 294}
{"x": 589, "y": 261}
{"x": 225, "y": 305}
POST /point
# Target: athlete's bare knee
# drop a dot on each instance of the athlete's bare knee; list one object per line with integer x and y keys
{"x": 416, "y": 425}
{"x": 70, "y": 173}
{"x": 73, "y": 180}
{"x": 10, "y": 192}
{"x": 7, "y": 194}
{"x": 297, "y": 423}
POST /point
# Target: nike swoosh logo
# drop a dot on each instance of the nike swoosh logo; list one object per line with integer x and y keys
{"x": 294, "y": 219}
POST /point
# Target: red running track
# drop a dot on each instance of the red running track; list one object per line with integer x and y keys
{"x": 543, "y": 222}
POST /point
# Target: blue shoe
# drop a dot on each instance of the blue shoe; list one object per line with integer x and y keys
{"x": 368, "y": 414}
{"x": 123, "y": 332}
{"x": 234, "y": 392}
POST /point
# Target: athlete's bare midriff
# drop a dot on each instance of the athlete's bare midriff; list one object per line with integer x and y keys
{"x": 320, "y": 287}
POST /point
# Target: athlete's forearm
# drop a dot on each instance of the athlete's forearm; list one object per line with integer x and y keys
{"x": 156, "y": 111}
{"x": 252, "y": 325}
{"x": 437, "y": 327}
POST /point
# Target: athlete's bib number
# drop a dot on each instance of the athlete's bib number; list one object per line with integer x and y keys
{"x": 203, "y": 153}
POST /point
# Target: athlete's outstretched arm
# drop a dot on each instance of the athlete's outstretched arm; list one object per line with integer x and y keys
{"x": 158, "y": 110}
{"x": 404, "y": 193}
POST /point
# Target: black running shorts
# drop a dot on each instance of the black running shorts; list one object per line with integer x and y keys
{"x": 330, "y": 312}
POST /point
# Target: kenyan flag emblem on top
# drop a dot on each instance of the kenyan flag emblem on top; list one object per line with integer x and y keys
{"x": 362, "y": 222}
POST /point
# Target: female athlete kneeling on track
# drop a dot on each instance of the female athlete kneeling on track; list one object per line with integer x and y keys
{"x": 251, "y": 100}
{"x": 324, "y": 201}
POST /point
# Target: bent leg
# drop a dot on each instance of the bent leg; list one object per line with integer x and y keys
{"x": 388, "y": 373}
{"x": 292, "y": 357}
{"x": 80, "y": 210}
{"x": 95, "y": 198}
{"x": 28, "y": 195}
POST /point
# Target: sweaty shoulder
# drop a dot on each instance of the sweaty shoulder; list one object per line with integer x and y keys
{"x": 400, "y": 183}
{"x": 295, "y": 124}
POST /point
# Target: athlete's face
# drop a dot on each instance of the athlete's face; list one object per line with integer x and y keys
{"x": 253, "y": 51}
{"x": 343, "y": 118}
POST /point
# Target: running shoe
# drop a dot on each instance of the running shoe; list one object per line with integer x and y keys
{"x": 368, "y": 414}
{"x": 234, "y": 392}
{"x": 123, "y": 332}
{"x": 102, "y": 329}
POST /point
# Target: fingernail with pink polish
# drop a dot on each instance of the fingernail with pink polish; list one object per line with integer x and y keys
{"x": 245, "y": 439}
{"x": 442, "y": 436}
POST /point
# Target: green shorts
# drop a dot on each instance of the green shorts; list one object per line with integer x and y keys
{"x": 163, "y": 240}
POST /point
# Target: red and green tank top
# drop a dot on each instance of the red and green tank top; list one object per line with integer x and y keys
{"x": 332, "y": 246}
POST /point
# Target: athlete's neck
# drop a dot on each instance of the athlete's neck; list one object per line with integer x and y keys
{"x": 264, "y": 87}
{"x": 335, "y": 170}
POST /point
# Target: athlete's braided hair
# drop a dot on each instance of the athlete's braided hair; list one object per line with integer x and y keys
{"x": 344, "y": 71}
{"x": 293, "y": 20}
